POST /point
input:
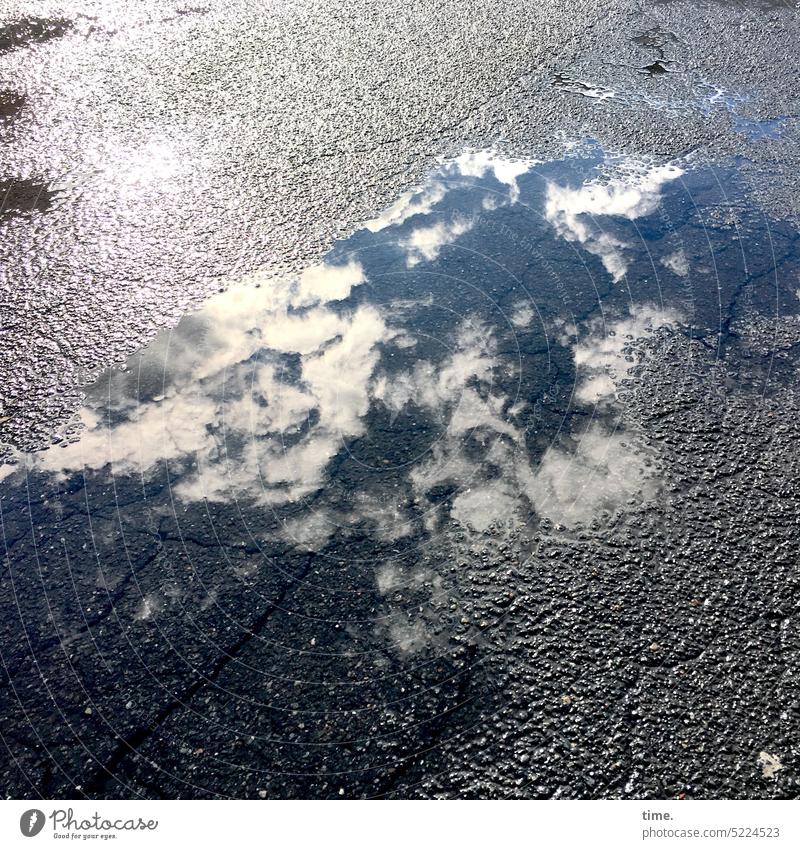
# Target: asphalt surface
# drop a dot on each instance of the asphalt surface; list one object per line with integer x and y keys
{"x": 164, "y": 635}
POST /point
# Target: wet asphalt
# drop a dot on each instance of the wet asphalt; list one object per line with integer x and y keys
{"x": 155, "y": 155}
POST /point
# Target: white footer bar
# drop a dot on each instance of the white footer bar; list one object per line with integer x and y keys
{"x": 410, "y": 825}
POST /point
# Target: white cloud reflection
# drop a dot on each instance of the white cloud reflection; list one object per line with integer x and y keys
{"x": 522, "y": 316}
{"x": 230, "y": 417}
{"x": 591, "y": 471}
{"x": 483, "y": 162}
{"x": 425, "y": 243}
{"x": 258, "y": 391}
{"x": 632, "y": 195}
{"x": 602, "y": 472}
{"x": 600, "y": 357}
{"x": 601, "y": 468}
{"x": 677, "y": 263}
{"x": 414, "y": 202}
{"x": 423, "y": 200}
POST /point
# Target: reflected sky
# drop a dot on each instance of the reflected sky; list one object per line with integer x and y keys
{"x": 313, "y": 502}
{"x": 456, "y": 362}
{"x": 634, "y": 195}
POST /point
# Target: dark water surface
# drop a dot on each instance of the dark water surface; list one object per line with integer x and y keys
{"x": 474, "y": 507}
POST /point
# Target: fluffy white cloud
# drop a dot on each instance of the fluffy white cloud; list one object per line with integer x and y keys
{"x": 425, "y": 243}
{"x": 480, "y": 507}
{"x": 602, "y": 472}
{"x": 434, "y": 385}
{"x": 633, "y": 195}
{"x": 325, "y": 283}
{"x": 482, "y": 162}
{"x": 590, "y": 472}
{"x": 415, "y": 202}
{"x": 599, "y": 355}
{"x": 476, "y": 164}
{"x": 677, "y": 263}
{"x": 522, "y": 315}
{"x": 221, "y": 389}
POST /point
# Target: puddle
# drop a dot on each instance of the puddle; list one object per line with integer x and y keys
{"x": 455, "y": 341}
{"x": 325, "y": 450}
